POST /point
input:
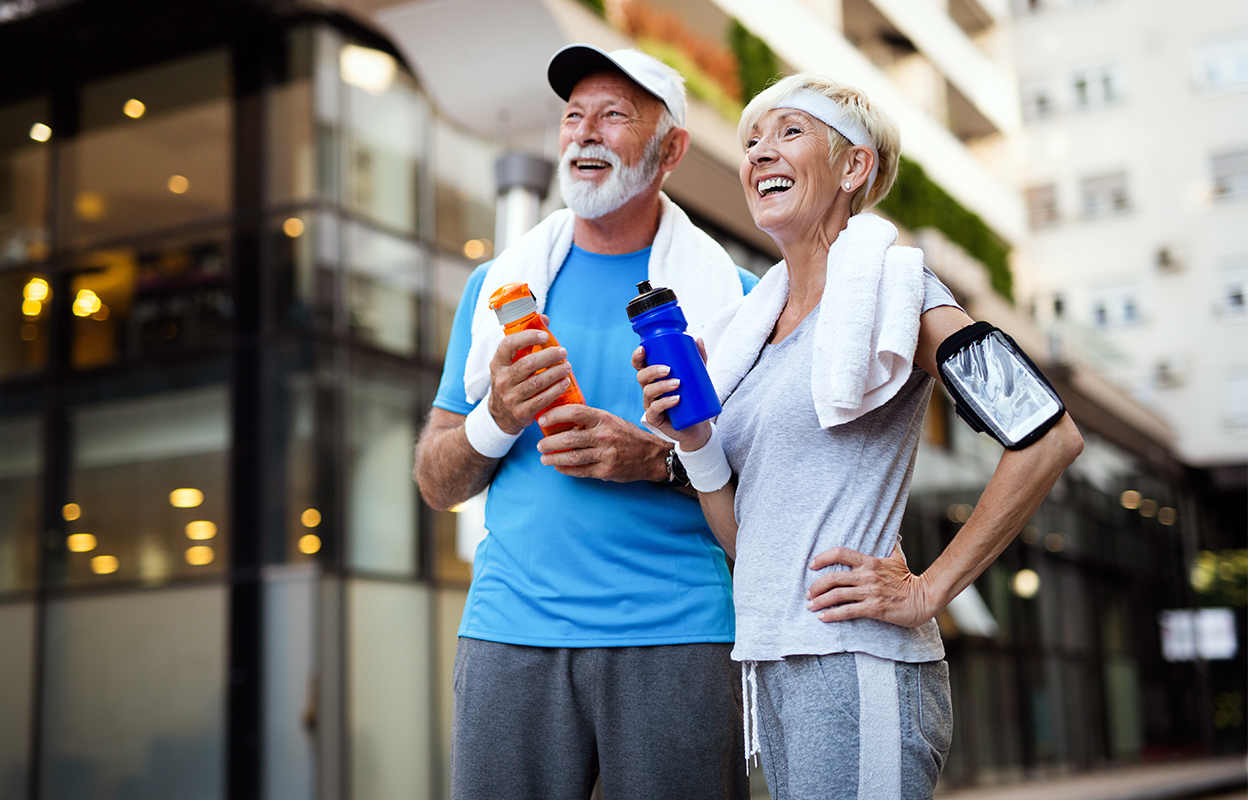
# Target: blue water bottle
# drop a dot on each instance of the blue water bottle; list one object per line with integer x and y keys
{"x": 661, "y": 325}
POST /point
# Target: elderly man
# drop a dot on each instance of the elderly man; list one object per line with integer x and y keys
{"x": 596, "y": 634}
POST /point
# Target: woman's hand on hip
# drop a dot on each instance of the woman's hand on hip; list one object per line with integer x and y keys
{"x": 654, "y": 384}
{"x": 876, "y": 588}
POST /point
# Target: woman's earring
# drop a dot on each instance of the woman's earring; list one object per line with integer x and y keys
{"x": 848, "y": 186}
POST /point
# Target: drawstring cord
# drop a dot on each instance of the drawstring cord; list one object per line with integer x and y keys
{"x": 749, "y": 695}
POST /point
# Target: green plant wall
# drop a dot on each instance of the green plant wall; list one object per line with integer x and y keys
{"x": 757, "y": 65}
{"x": 917, "y": 202}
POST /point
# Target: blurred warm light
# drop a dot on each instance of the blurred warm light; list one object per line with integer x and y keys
{"x": 104, "y": 565}
{"x": 1167, "y": 516}
{"x": 81, "y": 543}
{"x": 185, "y": 498}
{"x": 199, "y": 555}
{"x": 71, "y": 511}
{"x": 1204, "y": 571}
{"x": 293, "y": 227}
{"x": 366, "y": 68}
{"x": 201, "y": 529}
{"x": 458, "y": 507}
{"x": 1148, "y": 508}
{"x": 134, "y": 108}
{"x": 31, "y": 308}
{"x": 1055, "y": 542}
{"x": 1025, "y": 583}
{"x": 309, "y": 543}
{"x": 89, "y": 206}
{"x": 86, "y": 303}
{"x": 178, "y": 184}
{"x": 40, "y": 132}
{"x": 475, "y": 248}
{"x": 1130, "y": 499}
{"x": 29, "y": 332}
{"x": 959, "y": 512}
{"x": 36, "y": 289}
{"x": 101, "y": 315}
{"x": 310, "y": 518}
{"x": 1030, "y": 534}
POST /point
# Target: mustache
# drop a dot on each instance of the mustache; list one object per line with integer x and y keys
{"x": 598, "y": 151}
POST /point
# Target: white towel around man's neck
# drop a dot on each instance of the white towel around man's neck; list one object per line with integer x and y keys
{"x": 682, "y": 257}
{"x": 866, "y": 333}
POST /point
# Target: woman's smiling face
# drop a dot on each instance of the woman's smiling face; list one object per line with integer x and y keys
{"x": 789, "y": 184}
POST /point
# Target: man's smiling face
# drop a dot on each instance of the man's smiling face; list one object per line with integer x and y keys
{"x": 609, "y": 151}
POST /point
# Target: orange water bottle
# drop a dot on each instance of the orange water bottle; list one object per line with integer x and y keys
{"x": 517, "y": 311}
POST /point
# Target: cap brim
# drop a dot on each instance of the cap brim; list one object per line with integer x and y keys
{"x": 572, "y": 63}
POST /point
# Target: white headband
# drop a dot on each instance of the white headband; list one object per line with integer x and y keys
{"x": 830, "y": 113}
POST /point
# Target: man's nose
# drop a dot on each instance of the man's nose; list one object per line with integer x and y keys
{"x": 587, "y": 131}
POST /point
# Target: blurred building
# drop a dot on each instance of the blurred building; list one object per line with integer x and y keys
{"x": 1134, "y": 156}
{"x": 232, "y": 236}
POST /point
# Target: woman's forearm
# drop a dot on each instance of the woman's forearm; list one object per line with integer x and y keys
{"x": 717, "y": 506}
{"x": 1022, "y": 480}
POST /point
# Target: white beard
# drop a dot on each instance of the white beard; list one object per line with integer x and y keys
{"x": 589, "y": 200}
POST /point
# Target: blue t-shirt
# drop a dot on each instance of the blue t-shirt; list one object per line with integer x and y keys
{"x": 580, "y": 562}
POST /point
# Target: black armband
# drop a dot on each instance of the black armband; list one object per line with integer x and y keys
{"x": 996, "y": 388}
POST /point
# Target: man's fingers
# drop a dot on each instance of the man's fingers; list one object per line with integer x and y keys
{"x": 515, "y": 342}
{"x": 575, "y": 413}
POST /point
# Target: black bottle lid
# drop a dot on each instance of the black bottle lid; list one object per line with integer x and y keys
{"x": 648, "y": 298}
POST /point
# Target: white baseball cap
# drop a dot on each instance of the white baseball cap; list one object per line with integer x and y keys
{"x": 575, "y": 61}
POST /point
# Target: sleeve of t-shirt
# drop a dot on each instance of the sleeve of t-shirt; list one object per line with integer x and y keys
{"x": 451, "y": 396}
{"x": 935, "y": 294}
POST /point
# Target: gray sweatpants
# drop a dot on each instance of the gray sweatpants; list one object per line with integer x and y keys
{"x": 851, "y": 726}
{"x": 539, "y": 723}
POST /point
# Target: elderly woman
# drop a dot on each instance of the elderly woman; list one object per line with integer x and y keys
{"x": 825, "y": 372}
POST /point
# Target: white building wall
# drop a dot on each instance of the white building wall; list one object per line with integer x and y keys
{"x": 1185, "y": 348}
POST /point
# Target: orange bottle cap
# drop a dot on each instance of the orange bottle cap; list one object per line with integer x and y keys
{"x": 507, "y": 293}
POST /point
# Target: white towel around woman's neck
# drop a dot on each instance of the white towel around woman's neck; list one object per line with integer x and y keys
{"x": 866, "y": 333}
{"x": 682, "y": 257}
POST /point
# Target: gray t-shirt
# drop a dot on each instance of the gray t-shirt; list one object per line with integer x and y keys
{"x": 802, "y": 490}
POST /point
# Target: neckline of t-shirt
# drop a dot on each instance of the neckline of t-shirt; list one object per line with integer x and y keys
{"x": 793, "y": 333}
{"x": 583, "y": 253}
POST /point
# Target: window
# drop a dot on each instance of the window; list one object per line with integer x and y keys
{"x": 1115, "y": 306}
{"x": 1105, "y": 195}
{"x": 24, "y": 146}
{"x": 1233, "y": 287}
{"x": 1230, "y": 176}
{"x": 1221, "y": 63}
{"x": 1094, "y": 87}
{"x": 1037, "y": 97}
{"x": 1042, "y": 206}
{"x": 1237, "y": 397}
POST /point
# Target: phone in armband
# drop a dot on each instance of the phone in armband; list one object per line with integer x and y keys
{"x": 996, "y": 388}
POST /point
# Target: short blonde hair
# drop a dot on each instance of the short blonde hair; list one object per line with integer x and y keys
{"x": 880, "y": 126}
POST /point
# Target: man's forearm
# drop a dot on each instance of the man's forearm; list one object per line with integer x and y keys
{"x": 448, "y": 469}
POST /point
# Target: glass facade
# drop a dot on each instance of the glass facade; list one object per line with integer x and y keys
{"x": 231, "y": 244}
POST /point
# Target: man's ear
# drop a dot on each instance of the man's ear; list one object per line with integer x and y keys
{"x": 675, "y": 145}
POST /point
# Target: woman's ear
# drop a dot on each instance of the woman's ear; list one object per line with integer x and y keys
{"x": 858, "y": 165}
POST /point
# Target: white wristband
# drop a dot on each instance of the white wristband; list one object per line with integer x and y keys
{"x": 484, "y": 434}
{"x": 707, "y": 467}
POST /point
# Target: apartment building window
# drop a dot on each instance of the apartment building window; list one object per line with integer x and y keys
{"x": 1094, "y": 87}
{"x": 1237, "y": 397}
{"x": 1037, "y": 97}
{"x": 1221, "y": 63}
{"x": 1230, "y": 176}
{"x": 1042, "y": 206}
{"x": 1233, "y": 287}
{"x": 1116, "y": 306}
{"x": 1105, "y": 195}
